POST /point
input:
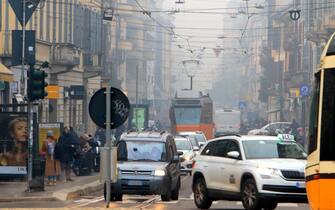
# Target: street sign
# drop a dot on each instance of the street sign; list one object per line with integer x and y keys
{"x": 242, "y": 104}
{"x": 17, "y": 6}
{"x": 120, "y": 108}
{"x": 77, "y": 92}
{"x": 304, "y": 90}
{"x": 30, "y": 47}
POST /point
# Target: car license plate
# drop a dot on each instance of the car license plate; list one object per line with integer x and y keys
{"x": 135, "y": 183}
{"x": 300, "y": 185}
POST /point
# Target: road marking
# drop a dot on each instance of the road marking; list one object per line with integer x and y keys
{"x": 147, "y": 203}
{"x": 87, "y": 202}
{"x": 287, "y": 204}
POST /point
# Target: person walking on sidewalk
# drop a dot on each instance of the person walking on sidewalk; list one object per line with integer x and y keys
{"x": 68, "y": 146}
{"x": 52, "y": 164}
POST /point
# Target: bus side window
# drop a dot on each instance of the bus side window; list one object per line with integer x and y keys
{"x": 313, "y": 125}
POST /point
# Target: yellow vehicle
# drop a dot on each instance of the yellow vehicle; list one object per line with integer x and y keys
{"x": 320, "y": 168}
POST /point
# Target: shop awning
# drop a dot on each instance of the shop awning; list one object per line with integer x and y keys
{"x": 5, "y": 74}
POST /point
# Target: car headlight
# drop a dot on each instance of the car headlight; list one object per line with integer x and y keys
{"x": 268, "y": 173}
{"x": 159, "y": 172}
{"x": 187, "y": 157}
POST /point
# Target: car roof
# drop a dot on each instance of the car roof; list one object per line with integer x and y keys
{"x": 190, "y": 132}
{"x": 146, "y": 136}
{"x": 248, "y": 138}
{"x": 180, "y": 138}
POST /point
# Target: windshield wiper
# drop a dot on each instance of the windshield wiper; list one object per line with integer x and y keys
{"x": 145, "y": 160}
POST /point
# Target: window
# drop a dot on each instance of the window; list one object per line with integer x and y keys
{"x": 209, "y": 149}
{"x": 313, "y": 121}
{"x": 226, "y": 146}
{"x": 142, "y": 151}
{"x": 188, "y": 115}
{"x": 327, "y": 143}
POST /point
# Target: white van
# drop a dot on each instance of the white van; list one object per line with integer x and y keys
{"x": 227, "y": 121}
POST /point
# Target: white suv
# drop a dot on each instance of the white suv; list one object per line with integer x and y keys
{"x": 260, "y": 171}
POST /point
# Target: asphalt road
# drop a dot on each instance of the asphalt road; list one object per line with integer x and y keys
{"x": 185, "y": 202}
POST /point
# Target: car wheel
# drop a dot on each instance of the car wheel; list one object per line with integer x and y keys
{"x": 201, "y": 198}
{"x": 175, "y": 192}
{"x": 112, "y": 198}
{"x": 269, "y": 205}
{"x": 167, "y": 196}
{"x": 250, "y": 199}
{"x": 118, "y": 196}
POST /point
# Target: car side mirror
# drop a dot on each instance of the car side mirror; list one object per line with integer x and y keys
{"x": 233, "y": 154}
{"x": 195, "y": 149}
{"x": 180, "y": 153}
{"x": 175, "y": 159}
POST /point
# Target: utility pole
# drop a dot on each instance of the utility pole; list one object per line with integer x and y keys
{"x": 136, "y": 97}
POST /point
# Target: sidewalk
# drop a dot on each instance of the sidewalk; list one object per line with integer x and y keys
{"x": 83, "y": 185}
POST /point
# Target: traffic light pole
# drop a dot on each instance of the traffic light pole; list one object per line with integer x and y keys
{"x": 108, "y": 144}
{"x": 30, "y": 106}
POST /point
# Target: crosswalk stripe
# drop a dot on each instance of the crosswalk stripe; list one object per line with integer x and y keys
{"x": 287, "y": 204}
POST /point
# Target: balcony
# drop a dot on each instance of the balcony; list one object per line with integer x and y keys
{"x": 65, "y": 55}
{"x": 92, "y": 64}
{"x": 6, "y": 47}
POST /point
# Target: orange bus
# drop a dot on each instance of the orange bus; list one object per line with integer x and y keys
{"x": 192, "y": 113}
{"x": 320, "y": 168}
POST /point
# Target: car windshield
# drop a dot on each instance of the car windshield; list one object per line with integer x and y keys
{"x": 200, "y": 137}
{"x": 141, "y": 151}
{"x": 183, "y": 144}
{"x": 262, "y": 149}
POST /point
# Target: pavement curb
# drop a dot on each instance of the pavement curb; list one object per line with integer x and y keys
{"x": 78, "y": 191}
{"x": 31, "y": 198}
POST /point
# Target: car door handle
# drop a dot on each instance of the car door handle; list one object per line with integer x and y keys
{"x": 205, "y": 166}
{"x": 222, "y": 167}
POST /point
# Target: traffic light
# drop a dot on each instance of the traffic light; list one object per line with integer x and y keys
{"x": 36, "y": 84}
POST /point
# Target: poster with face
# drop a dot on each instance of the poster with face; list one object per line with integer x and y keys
{"x": 13, "y": 143}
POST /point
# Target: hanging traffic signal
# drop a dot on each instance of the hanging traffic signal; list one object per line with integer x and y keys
{"x": 36, "y": 84}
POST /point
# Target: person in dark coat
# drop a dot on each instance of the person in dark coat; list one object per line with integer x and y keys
{"x": 68, "y": 145}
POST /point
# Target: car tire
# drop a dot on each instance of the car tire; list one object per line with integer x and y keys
{"x": 167, "y": 196}
{"x": 269, "y": 205}
{"x": 112, "y": 198}
{"x": 201, "y": 198}
{"x": 175, "y": 192}
{"x": 250, "y": 198}
{"x": 118, "y": 196}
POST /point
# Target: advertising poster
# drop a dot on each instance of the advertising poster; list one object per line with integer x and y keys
{"x": 13, "y": 143}
{"x": 139, "y": 117}
{"x": 43, "y": 128}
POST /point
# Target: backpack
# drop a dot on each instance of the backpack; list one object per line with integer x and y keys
{"x": 50, "y": 148}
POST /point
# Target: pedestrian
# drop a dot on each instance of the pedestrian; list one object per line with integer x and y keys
{"x": 52, "y": 163}
{"x": 68, "y": 145}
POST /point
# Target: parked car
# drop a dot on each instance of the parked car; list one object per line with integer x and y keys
{"x": 260, "y": 171}
{"x": 198, "y": 137}
{"x": 148, "y": 163}
{"x": 188, "y": 152}
{"x": 272, "y": 128}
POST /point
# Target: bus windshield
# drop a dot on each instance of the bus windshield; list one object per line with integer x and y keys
{"x": 188, "y": 115}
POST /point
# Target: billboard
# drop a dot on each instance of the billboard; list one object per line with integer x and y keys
{"x": 43, "y": 128}
{"x": 13, "y": 143}
{"x": 138, "y": 118}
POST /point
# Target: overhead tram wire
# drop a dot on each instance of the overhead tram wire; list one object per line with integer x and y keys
{"x": 191, "y": 10}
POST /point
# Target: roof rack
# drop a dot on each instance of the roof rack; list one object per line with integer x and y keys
{"x": 230, "y": 134}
